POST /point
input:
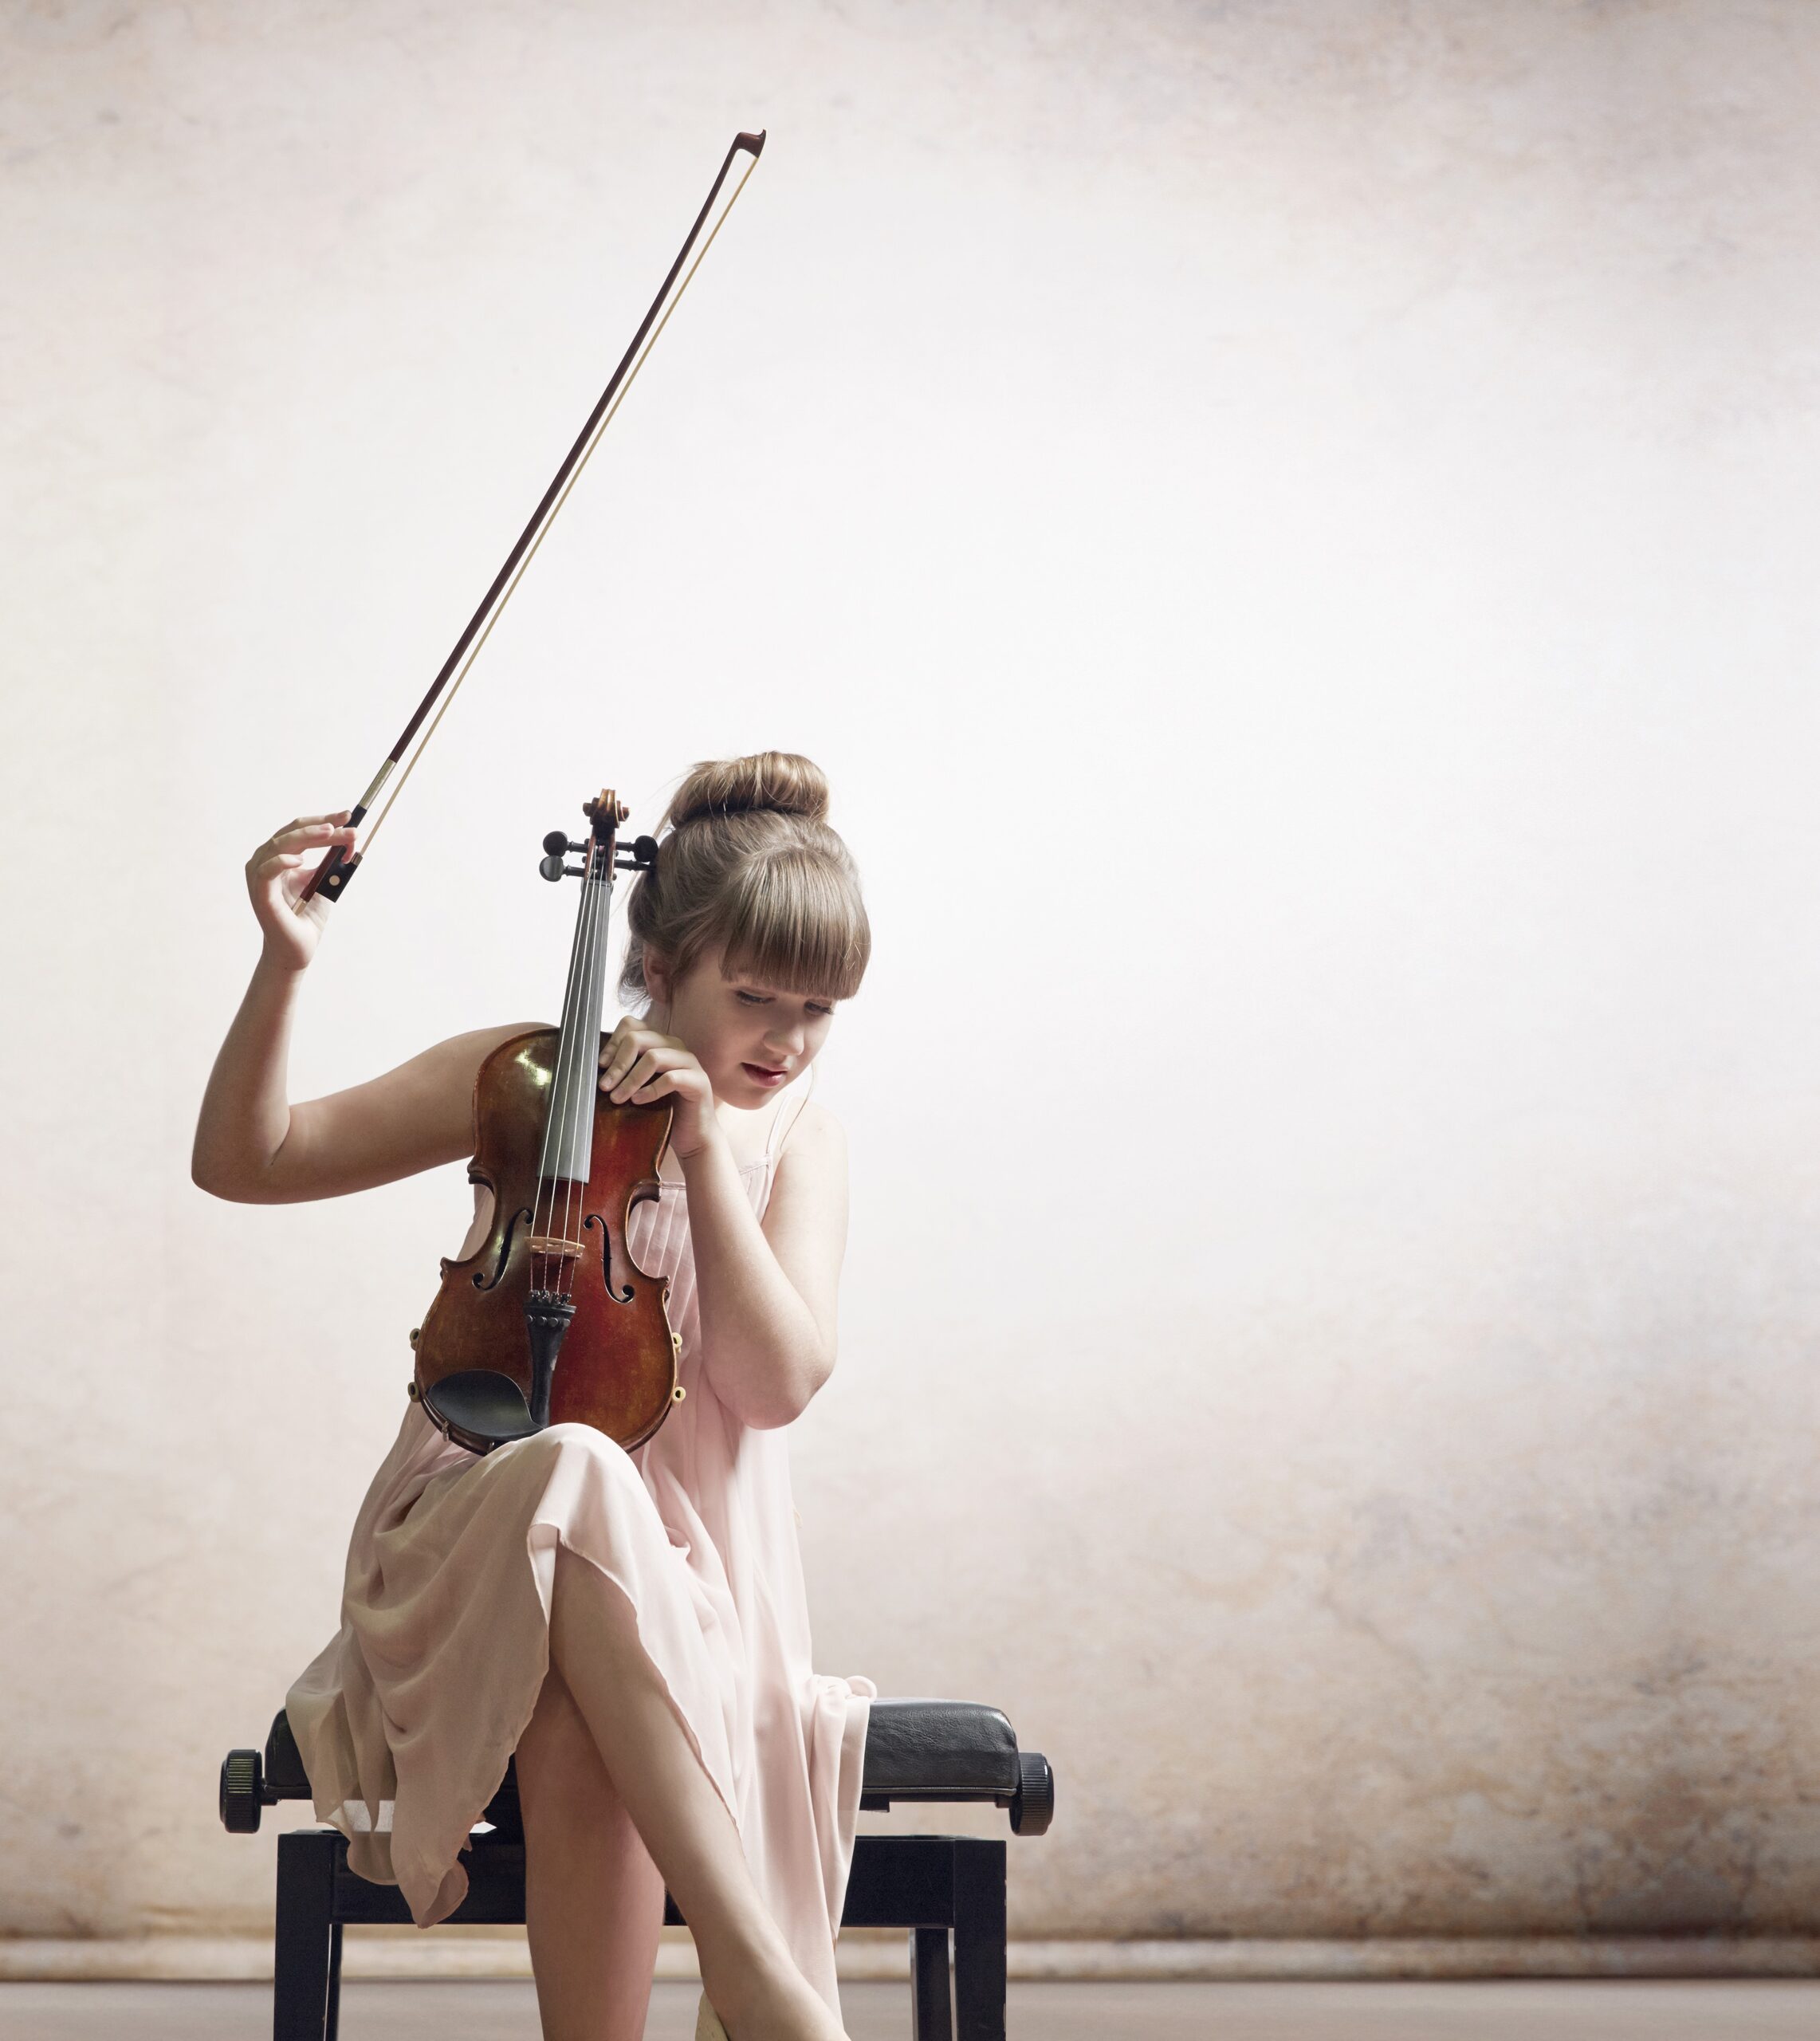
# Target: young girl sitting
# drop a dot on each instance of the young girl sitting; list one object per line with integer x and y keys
{"x": 633, "y": 1627}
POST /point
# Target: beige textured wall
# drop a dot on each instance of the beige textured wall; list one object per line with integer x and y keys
{"x": 1291, "y": 528}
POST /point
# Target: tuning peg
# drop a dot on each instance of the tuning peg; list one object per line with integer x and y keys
{"x": 557, "y": 843}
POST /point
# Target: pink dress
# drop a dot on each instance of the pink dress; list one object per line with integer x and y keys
{"x": 406, "y": 1720}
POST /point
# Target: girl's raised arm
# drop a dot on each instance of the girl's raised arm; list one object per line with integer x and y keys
{"x": 252, "y": 1144}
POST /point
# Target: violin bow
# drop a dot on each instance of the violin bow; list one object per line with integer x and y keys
{"x": 332, "y": 876}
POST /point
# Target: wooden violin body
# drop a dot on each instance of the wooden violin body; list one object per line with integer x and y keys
{"x": 617, "y": 1369}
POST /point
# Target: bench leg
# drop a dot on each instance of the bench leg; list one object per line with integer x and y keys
{"x": 978, "y": 1939}
{"x": 307, "y": 1943}
{"x": 334, "y": 1981}
{"x": 932, "y": 2015}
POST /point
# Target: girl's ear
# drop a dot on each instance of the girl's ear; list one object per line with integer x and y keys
{"x": 656, "y": 976}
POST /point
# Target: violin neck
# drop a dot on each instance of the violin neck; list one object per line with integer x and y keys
{"x": 568, "y": 1133}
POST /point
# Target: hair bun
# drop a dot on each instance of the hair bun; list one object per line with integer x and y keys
{"x": 781, "y": 782}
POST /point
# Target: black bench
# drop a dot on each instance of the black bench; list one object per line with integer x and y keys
{"x": 916, "y": 1751}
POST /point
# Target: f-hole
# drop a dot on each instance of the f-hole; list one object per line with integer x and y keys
{"x": 481, "y": 1280}
{"x": 620, "y": 1295}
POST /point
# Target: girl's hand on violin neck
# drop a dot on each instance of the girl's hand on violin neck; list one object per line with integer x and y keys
{"x": 278, "y": 871}
{"x": 639, "y": 1066}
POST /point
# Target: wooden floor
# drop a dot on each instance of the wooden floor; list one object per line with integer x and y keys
{"x": 482, "y": 2012}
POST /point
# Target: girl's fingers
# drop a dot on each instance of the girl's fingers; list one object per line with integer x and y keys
{"x": 302, "y": 833}
{"x": 622, "y": 1051}
{"x": 653, "y": 1064}
{"x": 641, "y": 1073}
{"x": 633, "y": 1058}
{"x": 677, "y": 1081}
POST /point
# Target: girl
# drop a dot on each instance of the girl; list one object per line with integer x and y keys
{"x": 633, "y": 1627}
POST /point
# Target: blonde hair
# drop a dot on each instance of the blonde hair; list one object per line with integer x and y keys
{"x": 750, "y": 865}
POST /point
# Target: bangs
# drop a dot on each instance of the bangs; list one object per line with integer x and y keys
{"x": 796, "y": 921}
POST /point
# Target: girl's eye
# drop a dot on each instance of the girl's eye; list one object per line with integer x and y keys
{"x": 751, "y": 999}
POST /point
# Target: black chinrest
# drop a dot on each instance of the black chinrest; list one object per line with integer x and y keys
{"x": 479, "y": 1408}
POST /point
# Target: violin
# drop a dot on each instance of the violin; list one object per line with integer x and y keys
{"x": 554, "y": 1280}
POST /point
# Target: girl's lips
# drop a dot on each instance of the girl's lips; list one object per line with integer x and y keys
{"x": 760, "y": 1075}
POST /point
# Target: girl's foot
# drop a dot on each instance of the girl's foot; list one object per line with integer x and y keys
{"x": 707, "y": 2026}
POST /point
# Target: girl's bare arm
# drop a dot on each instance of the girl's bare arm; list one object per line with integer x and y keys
{"x": 768, "y": 1293}
{"x": 254, "y": 1148}
{"x": 252, "y": 1144}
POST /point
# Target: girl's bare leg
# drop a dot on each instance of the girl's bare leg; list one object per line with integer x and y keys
{"x": 593, "y": 1898}
{"x": 746, "y": 1970}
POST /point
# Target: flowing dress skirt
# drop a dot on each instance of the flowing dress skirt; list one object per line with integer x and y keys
{"x": 407, "y": 1719}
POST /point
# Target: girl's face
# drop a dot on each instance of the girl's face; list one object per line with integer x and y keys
{"x": 750, "y": 1037}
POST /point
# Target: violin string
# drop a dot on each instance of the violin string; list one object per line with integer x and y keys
{"x": 568, "y": 1077}
{"x": 539, "y": 1215}
{"x": 397, "y": 786}
{"x": 575, "y": 1089}
{"x": 597, "y": 1000}
{"x": 545, "y": 1189}
{"x": 587, "y": 1058}
{"x": 563, "y": 1080}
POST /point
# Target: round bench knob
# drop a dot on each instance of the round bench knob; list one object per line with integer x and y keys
{"x": 1034, "y": 1806}
{"x": 241, "y": 1777}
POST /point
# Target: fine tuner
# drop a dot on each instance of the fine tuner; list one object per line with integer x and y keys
{"x": 639, "y": 855}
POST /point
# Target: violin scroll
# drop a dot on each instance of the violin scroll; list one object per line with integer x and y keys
{"x": 641, "y": 855}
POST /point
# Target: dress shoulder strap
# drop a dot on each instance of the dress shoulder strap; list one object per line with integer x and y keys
{"x": 783, "y": 1120}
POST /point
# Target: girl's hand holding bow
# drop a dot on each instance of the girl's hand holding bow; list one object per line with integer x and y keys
{"x": 278, "y": 872}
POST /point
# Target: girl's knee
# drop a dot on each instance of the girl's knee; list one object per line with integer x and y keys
{"x": 571, "y": 1453}
{"x": 562, "y": 1441}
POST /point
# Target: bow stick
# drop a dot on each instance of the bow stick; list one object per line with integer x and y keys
{"x": 331, "y": 877}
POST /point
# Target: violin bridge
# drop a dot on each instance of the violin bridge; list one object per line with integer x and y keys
{"x": 557, "y": 1250}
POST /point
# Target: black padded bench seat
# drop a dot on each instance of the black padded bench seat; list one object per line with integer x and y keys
{"x": 916, "y": 1750}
